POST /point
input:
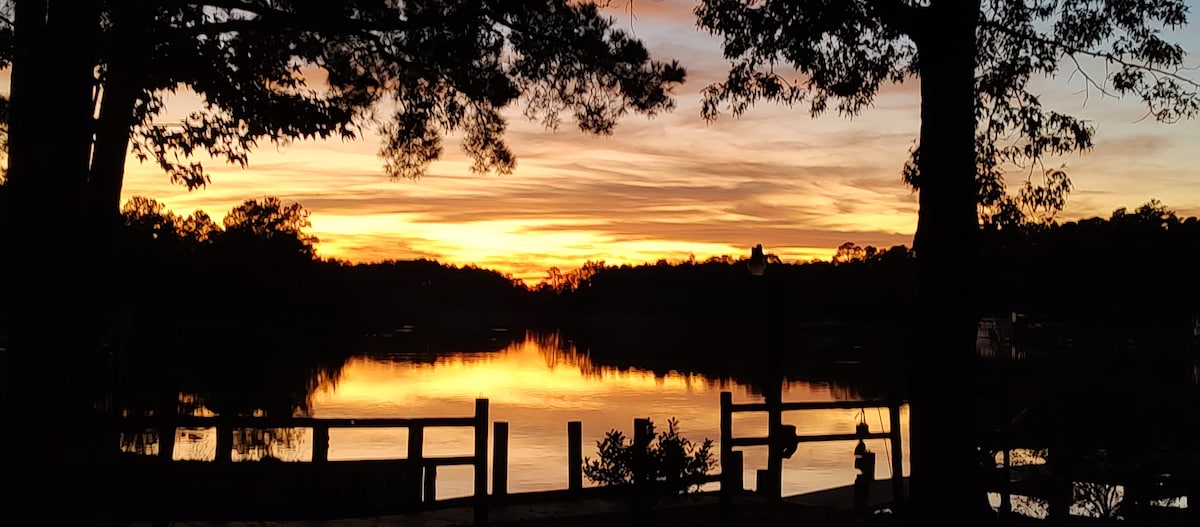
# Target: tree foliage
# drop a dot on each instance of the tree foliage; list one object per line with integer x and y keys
{"x": 844, "y": 52}
{"x": 271, "y": 71}
{"x": 269, "y": 219}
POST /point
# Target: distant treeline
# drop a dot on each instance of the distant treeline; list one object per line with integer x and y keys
{"x": 1130, "y": 276}
{"x": 1135, "y": 265}
{"x": 190, "y": 296}
{"x": 258, "y": 268}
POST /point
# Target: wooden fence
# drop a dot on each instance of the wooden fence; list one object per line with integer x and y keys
{"x": 165, "y": 489}
{"x": 320, "y": 488}
{"x": 731, "y": 460}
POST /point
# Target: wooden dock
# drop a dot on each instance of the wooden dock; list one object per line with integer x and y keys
{"x": 826, "y": 507}
{"x": 164, "y": 490}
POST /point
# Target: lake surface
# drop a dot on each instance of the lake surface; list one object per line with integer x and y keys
{"x": 538, "y": 384}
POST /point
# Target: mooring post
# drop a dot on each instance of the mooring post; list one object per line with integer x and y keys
{"x": 429, "y": 493}
{"x": 166, "y": 454}
{"x": 500, "y": 459}
{"x": 224, "y": 441}
{"x": 897, "y": 454}
{"x": 575, "y": 455}
{"x": 1005, "y": 510}
{"x": 1062, "y": 486}
{"x": 481, "y": 448}
{"x": 166, "y": 441}
{"x": 1193, "y": 498}
{"x": 641, "y": 474}
{"x": 726, "y": 455}
{"x": 416, "y": 462}
{"x": 320, "y": 452}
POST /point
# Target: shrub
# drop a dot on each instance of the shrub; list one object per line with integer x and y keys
{"x": 670, "y": 464}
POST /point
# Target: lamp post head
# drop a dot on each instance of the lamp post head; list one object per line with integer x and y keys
{"x": 758, "y": 261}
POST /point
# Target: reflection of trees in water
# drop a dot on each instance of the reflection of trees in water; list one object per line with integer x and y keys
{"x": 1097, "y": 500}
{"x": 559, "y": 351}
{"x": 722, "y": 354}
{"x": 229, "y": 374}
{"x": 256, "y": 444}
{"x": 143, "y": 442}
{"x": 426, "y": 346}
{"x": 225, "y": 373}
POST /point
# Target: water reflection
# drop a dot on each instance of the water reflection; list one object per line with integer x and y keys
{"x": 538, "y": 384}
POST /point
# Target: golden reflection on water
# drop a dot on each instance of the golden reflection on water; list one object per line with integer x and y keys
{"x": 537, "y": 387}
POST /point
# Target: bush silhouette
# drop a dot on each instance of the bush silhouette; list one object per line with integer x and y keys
{"x": 667, "y": 464}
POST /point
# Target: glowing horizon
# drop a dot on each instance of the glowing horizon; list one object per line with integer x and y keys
{"x": 674, "y": 186}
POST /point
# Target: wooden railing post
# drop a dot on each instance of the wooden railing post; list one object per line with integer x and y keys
{"x": 166, "y": 441}
{"x": 430, "y": 483}
{"x": 641, "y": 473}
{"x": 574, "y": 455}
{"x": 734, "y": 478}
{"x": 160, "y": 512}
{"x": 224, "y": 441}
{"x": 481, "y": 476}
{"x": 416, "y": 462}
{"x": 500, "y": 459}
{"x": 897, "y": 455}
{"x": 726, "y": 455}
{"x": 320, "y": 452}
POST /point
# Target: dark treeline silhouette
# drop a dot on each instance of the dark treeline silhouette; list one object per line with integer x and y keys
{"x": 1134, "y": 269}
{"x": 713, "y": 317}
{"x": 258, "y": 270}
{"x": 243, "y": 316}
{"x": 1101, "y": 282}
{"x": 1131, "y": 272}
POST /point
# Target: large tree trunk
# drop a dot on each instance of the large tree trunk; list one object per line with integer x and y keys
{"x": 47, "y": 383}
{"x": 123, "y": 81}
{"x": 946, "y": 482}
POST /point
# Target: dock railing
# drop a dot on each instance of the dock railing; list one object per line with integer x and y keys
{"x": 419, "y": 480}
{"x": 731, "y": 460}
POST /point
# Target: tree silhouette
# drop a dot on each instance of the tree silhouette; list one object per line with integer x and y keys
{"x": 850, "y": 252}
{"x": 268, "y": 222}
{"x": 975, "y": 60}
{"x": 88, "y": 80}
{"x": 451, "y": 65}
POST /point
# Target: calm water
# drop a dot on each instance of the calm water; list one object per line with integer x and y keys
{"x": 537, "y": 387}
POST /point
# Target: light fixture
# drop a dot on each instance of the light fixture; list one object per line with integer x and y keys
{"x": 758, "y": 261}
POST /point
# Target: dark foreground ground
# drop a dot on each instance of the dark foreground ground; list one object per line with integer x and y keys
{"x": 714, "y": 516}
{"x": 700, "y": 510}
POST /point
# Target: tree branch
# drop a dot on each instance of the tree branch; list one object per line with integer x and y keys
{"x": 269, "y": 18}
{"x": 1072, "y": 50}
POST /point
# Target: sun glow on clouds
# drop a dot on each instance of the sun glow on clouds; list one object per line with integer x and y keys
{"x": 668, "y": 187}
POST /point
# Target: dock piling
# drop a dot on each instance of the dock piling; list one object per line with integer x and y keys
{"x": 481, "y": 475}
{"x": 574, "y": 455}
{"x": 500, "y": 459}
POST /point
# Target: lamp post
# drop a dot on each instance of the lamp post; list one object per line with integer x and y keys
{"x": 771, "y": 486}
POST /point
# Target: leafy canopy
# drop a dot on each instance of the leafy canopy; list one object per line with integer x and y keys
{"x": 843, "y": 52}
{"x": 280, "y": 70}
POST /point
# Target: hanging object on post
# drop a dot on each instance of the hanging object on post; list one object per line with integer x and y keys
{"x": 864, "y": 459}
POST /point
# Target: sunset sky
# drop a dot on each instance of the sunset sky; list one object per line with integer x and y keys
{"x": 674, "y": 186}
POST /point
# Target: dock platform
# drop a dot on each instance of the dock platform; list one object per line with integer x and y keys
{"x": 825, "y": 507}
